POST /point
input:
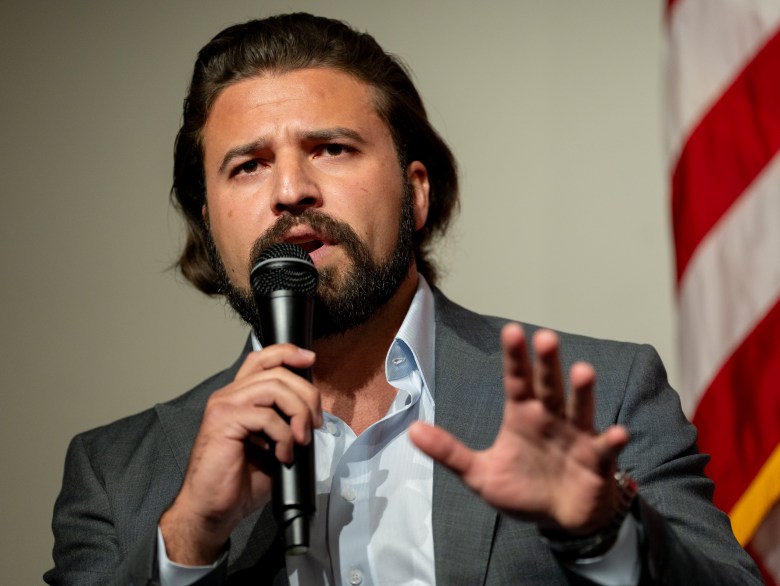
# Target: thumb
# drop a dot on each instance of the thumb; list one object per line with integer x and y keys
{"x": 443, "y": 447}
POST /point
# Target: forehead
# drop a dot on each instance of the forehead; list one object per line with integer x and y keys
{"x": 312, "y": 96}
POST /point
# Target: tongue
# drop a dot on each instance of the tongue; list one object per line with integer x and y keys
{"x": 311, "y": 245}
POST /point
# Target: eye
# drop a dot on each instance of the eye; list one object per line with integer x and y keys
{"x": 334, "y": 150}
{"x": 248, "y": 167}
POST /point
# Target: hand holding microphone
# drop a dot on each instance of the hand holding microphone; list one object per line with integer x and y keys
{"x": 254, "y": 444}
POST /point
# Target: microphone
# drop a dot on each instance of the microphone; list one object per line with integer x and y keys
{"x": 283, "y": 282}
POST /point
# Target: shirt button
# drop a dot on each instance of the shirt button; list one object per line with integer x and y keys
{"x": 331, "y": 428}
{"x": 399, "y": 360}
{"x": 348, "y": 494}
{"x": 355, "y": 577}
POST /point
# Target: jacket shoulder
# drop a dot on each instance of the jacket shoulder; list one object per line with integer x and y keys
{"x": 482, "y": 330}
{"x": 129, "y": 434}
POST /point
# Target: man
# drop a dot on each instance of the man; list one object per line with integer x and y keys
{"x": 298, "y": 129}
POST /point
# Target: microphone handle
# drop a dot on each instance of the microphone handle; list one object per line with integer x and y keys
{"x": 286, "y": 317}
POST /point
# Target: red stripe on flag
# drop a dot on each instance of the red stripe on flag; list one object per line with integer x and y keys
{"x": 726, "y": 151}
{"x": 669, "y": 7}
{"x": 738, "y": 418}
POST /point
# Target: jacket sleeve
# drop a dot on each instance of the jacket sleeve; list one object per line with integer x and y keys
{"x": 686, "y": 538}
{"x": 87, "y": 547}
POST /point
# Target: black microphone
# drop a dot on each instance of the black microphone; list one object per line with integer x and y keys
{"x": 283, "y": 282}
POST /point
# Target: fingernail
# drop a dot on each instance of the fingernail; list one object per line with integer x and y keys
{"x": 306, "y": 353}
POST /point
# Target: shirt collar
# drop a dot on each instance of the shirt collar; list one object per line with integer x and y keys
{"x": 416, "y": 337}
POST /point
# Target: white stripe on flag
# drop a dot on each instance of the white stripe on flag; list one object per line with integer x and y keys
{"x": 710, "y": 42}
{"x": 732, "y": 281}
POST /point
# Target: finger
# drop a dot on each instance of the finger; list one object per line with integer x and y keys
{"x": 518, "y": 385}
{"x": 547, "y": 379}
{"x": 268, "y": 430}
{"x": 252, "y": 388}
{"x": 442, "y": 447}
{"x": 295, "y": 400}
{"x": 608, "y": 446}
{"x": 278, "y": 391}
{"x": 296, "y": 384}
{"x": 276, "y": 355}
{"x": 579, "y": 407}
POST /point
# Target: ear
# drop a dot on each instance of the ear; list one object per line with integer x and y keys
{"x": 417, "y": 175}
{"x": 204, "y": 213}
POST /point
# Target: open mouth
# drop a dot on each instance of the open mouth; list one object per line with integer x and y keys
{"x": 309, "y": 242}
{"x": 310, "y": 245}
{"x": 307, "y": 238}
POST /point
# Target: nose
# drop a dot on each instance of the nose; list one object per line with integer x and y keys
{"x": 295, "y": 188}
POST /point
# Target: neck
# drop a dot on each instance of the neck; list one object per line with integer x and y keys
{"x": 350, "y": 367}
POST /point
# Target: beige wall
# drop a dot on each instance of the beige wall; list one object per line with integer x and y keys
{"x": 552, "y": 107}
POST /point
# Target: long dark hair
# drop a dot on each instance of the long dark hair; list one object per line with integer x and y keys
{"x": 297, "y": 41}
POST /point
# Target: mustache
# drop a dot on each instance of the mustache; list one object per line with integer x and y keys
{"x": 324, "y": 225}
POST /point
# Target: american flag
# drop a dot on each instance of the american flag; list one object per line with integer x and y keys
{"x": 723, "y": 116}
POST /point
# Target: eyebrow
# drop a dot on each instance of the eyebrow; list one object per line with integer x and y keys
{"x": 324, "y": 135}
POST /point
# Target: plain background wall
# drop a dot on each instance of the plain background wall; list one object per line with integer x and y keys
{"x": 553, "y": 108}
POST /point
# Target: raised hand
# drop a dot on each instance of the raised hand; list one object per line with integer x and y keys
{"x": 547, "y": 464}
{"x": 228, "y": 476}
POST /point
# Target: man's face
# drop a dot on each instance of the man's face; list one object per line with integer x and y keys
{"x": 303, "y": 157}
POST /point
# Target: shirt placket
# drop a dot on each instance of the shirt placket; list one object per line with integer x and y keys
{"x": 353, "y": 504}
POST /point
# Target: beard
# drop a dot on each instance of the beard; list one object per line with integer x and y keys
{"x": 346, "y": 298}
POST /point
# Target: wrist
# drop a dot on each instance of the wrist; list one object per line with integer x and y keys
{"x": 189, "y": 541}
{"x": 568, "y": 547}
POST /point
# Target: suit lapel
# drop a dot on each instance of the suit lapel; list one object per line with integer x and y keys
{"x": 468, "y": 381}
{"x": 180, "y": 418}
{"x": 180, "y": 425}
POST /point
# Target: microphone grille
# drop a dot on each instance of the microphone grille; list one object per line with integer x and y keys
{"x": 284, "y": 267}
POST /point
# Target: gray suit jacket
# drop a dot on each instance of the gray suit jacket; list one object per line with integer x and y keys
{"x": 120, "y": 478}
